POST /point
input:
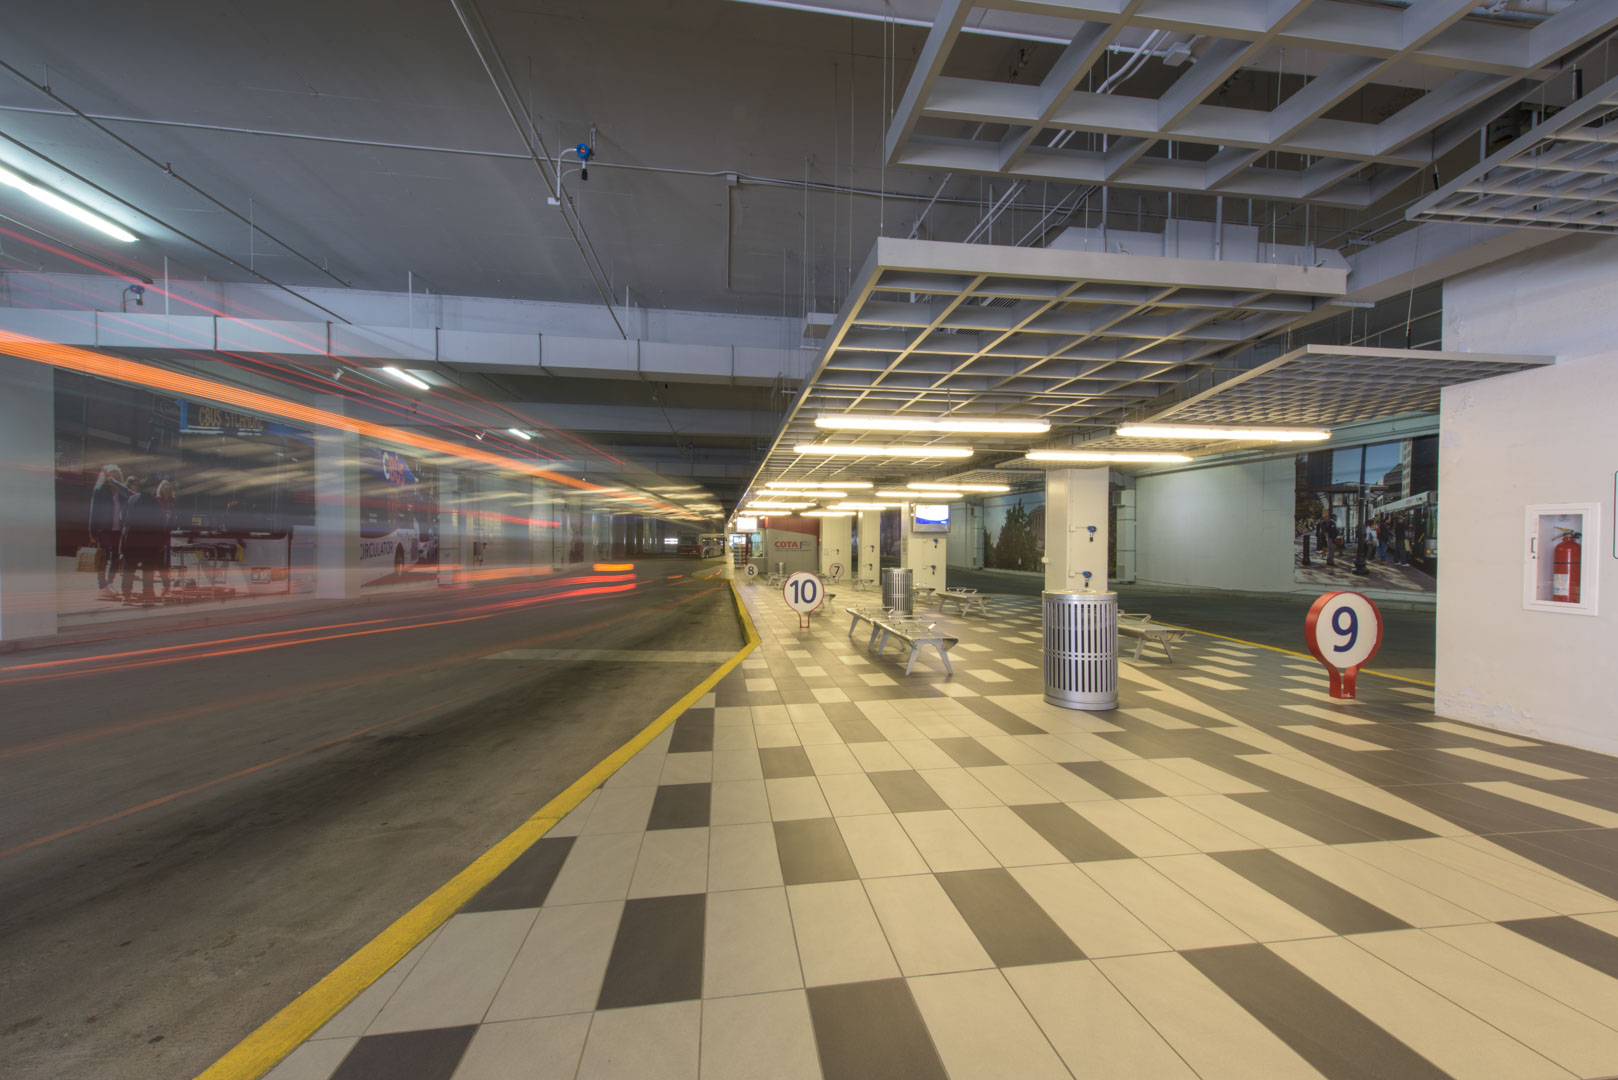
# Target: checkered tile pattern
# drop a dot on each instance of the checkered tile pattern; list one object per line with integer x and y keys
{"x": 827, "y": 869}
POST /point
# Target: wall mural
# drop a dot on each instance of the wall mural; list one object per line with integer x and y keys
{"x": 1014, "y": 532}
{"x": 1367, "y": 516}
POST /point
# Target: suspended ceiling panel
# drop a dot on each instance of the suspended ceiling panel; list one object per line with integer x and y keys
{"x": 1563, "y": 174}
{"x": 1071, "y": 126}
{"x": 973, "y": 331}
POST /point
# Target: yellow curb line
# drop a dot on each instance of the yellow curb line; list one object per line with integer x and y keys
{"x": 1289, "y": 652}
{"x": 287, "y": 1029}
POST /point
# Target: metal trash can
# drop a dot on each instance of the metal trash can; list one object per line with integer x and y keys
{"x": 1081, "y": 650}
{"x": 899, "y": 590}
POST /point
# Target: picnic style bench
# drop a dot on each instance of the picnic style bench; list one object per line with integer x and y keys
{"x": 913, "y": 632}
{"x": 963, "y": 599}
{"x": 1139, "y": 627}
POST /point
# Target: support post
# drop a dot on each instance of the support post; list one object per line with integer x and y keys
{"x": 28, "y": 561}
{"x": 1076, "y": 504}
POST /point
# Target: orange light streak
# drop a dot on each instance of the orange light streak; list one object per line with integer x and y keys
{"x": 612, "y": 567}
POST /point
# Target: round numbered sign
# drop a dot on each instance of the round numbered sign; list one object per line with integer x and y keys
{"x": 752, "y": 570}
{"x": 1343, "y": 630}
{"x": 804, "y": 592}
{"x": 836, "y": 569}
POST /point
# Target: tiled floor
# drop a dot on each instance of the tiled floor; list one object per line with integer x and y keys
{"x": 828, "y": 869}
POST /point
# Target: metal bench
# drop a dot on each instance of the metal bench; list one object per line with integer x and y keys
{"x": 964, "y": 599}
{"x": 1139, "y": 628}
{"x": 913, "y": 632}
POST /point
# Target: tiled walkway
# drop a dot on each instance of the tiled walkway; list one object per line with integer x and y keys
{"x": 828, "y": 869}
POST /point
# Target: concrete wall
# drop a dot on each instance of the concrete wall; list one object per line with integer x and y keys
{"x": 1544, "y": 436}
{"x": 1555, "y": 300}
{"x": 1226, "y": 527}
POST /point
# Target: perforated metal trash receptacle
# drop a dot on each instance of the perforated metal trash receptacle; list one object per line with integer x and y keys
{"x": 899, "y": 590}
{"x": 1081, "y": 650}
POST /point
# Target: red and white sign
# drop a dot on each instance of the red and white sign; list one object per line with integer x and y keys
{"x": 1343, "y": 631}
{"x": 804, "y": 592}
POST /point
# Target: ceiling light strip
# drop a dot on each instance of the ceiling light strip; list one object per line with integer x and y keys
{"x": 877, "y": 450}
{"x": 1245, "y": 434}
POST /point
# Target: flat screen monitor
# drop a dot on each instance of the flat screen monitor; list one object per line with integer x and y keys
{"x": 747, "y": 524}
{"x": 932, "y": 518}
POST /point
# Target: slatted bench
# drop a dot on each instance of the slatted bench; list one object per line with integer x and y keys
{"x": 914, "y": 633}
{"x": 1139, "y": 627}
{"x": 963, "y": 599}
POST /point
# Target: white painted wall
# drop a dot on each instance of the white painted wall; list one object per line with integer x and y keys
{"x": 1555, "y": 300}
{"x": 1225, "y": 527}
{"x": 1543, "y": 436}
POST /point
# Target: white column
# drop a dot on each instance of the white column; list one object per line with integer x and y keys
{"x": 27, "y": 499}
{"x": 836, "y": 535}
{"x": 1076, "y": 529}
{"x": 1126, "y": 534}
{"x": 337, "y": 507}
{"x": 870, "y": 546}
{"x": 925, "y": 554}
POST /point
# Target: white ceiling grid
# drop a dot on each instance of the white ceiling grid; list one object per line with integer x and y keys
{"x": 1180, "y": 142}
{"x": 1563, "y": 174}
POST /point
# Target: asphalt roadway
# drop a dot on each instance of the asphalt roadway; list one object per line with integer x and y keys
{"x": 197, "y": 825}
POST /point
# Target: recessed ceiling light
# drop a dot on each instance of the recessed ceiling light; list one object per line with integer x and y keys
{"x": 990, "y": 488}
{"x": 65, "y": 206}
{"x": 766, "y": 507}
{"x": 946, "y": 425}
{"x": 523, "y": 435}
{"x": 913, "y": 495}
{"x": 819, "y": 484}
{"x": 1106, "y": 455}
{"x": 865, "y": 505}
{"x": 878, "y": 450}
{"x": 1246, "y": 434}
{"x": 827, "y": 513}
{"x": 406, "y": 378}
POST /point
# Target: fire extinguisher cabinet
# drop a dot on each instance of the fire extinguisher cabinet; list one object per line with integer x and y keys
{"x": 1081, "y": 650}
{"x": 1561, "y": 546}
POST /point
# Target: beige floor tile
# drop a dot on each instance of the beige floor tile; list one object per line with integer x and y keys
{"x": 1167, "y": 910}
{"x": 817, "y": 733}
{"x": 760, "y": 1035}
{"x": 806, "y": 713}
{"x": 316, "y": 1059}
{"x": 1488, "y": 900}
{"x": 1051, "y": 748}
{"x": 878, "y": 756}
{"x": 1606, "y": 819}
{"x": 1527, "y": 768}
{"x": 749, "y": 947}
{"x": 651, "y": 1042}
{"x": 1156, "y": 717}
{"x": 561, "y": 962}
{"x": 598, "y": 868}
{"x": 894, "y": 727}
{"x": 959, "y": 788}
{"x": 1008, "y": 837}
{"x": 694, "y": 768}
{"x": 1198, "y": 830}
{"x": 1216, "y": 1036}
{"x": 923, "y": 928}
{"x": 830, "y": 758}
{"x": 1480, "y": 734}
{"x": 924, "y": 754}
{"x": 1104, "y": 1038}
{"x": 459, "y": 975}
{"x": 620, "y": 810}
{"x": 1332, "y": 737}
{"x": 736, "y": 802}
{"x": 1140, "y": 834}
{"x": 795, "y": 797}
{"x": 1156, "y": 775}
{"x": 737, "y": 765}
{"x": 1063, "y": 785}
{"x": 1574, "y": 984}
{"x": 1260, "y": 828}
{"x": 672, "y": 862}
{"x": 853, "y": 793}
{"x": 1010, "y": 786}
{"x": 770, "y": 715}
{"x": 1012, "y": 749}
{"x": 1443, "y": 1032}
{"x": 981, "y": 1029}
{"x": 1298, "y": 766}
{"x": 1086, "y": 912}
{"x": 742, "y": 857}
{"x": 1210, "y": 778}
{"x": 1254, "y": 910}
{"x": 1484, "y": 859}
{"x": 732, "y": 716}
{"x": 735, "y": 737}
{"x": 945, "y": 842}
{"x": 544, "y": 1049}
{"x": 357, "y": 1015}
{"x": 839, "y": 938}
{"x": 880, "y": 847}
{"x": 770, "y": 735}
{"x": 573, "y": 823}
{"x": 1392, "y": 894}
{"x": 642, "y": 770}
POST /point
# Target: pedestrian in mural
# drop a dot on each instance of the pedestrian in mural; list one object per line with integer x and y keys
{"x": 167, "y": 502}
{"x": 1400, "y": 535}
{"x": 106, "y": 526}
{"x": 1379, "y": 536}
{"x": 144, "y": 535}
{"x": 1331, "y": 541}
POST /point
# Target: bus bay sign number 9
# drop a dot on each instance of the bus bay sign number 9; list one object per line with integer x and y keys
{"x": 804, "y": 592}
{"x": 1343, "y": 630}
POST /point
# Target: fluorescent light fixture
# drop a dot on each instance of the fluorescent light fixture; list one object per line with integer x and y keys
{"x": 865, "y": 505}
{"x": 1106, "y": 455}
{"x": 828, "y": 513}
{"x": 406, "y": 378}
{"x": 993, "y": 489}
{"x": 71, "y": 209}
{"x": 770, "y": 507}
{"x": 911, "y": 496}
{"x": 1246, "y": 434}
{"x": 946, "y": 425}
{"x": 523, "y": 435}
{"x": 878, "y": 450}
{"x": 839, "y": 484}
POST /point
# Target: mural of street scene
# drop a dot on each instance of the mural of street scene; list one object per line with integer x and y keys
{"x": 1366, "y": 517}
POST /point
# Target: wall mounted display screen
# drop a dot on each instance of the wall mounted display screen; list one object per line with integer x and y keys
{"x": 932, "y": 518}
{"x": 746, "y": 524}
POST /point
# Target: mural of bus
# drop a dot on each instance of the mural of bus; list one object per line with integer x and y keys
{"x": 398, "y": 516}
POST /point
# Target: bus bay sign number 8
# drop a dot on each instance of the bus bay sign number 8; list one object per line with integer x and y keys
{"x": 804, "y": 592}
{"x": 1343, "y": 631}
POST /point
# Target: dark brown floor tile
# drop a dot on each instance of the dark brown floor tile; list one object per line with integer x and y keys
{"x": 432, "y": 1054}
{"x": 813, "y": 850}
{"x": 527, "y": 881}
{"x": 906, "y": 792}
{"x": 1325, "y": 1031}
{"x": 1011, "y": 926}
{"x": 1001, "y": 717}
{"x": 1330, "y": 905}
{"x": 693, "y": 732}
{"x": 1484, "y": 812}
{"x": 797, "y": 696}
{"x": 657, "y": 955}
{"x": 968, "y": 752}
{"x": 855, "y": 729}
{"x": 1115, "y": 782}
{"x": 783, "y": 761}
{"x": 1072, "y": 835}
{"x": 1327, "y": 817}
{"x": 1585, "y": 856}
{"x": 680, "y": 806}
{"x": 873, "y": 1029}
{"x": 1570, "y": 937}
{"x": 1602, "y": 794}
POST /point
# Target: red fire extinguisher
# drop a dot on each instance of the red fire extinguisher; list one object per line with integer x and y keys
{"x": 1567, "y": 557}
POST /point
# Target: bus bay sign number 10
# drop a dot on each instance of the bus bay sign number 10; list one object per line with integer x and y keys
{"x": 804, "y": 592}
{"x": 1343, "y": 630}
